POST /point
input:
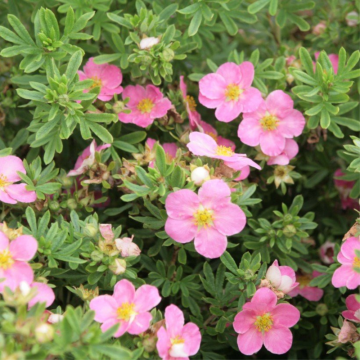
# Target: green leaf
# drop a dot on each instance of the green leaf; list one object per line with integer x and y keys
{"x": 20, "y": 29}
{"x": 257, "y": 6}
{"x": 160, "y": 159}
{"x": 325, "y": 119}
{"x": 306, "y": 61}
{"x": 273, "y": 7}
{"x": 229, "y": 262}
{"x": 195, "y": 23}
{"x": 100, "y": 132}
{"x": 73, "y": 65}
{"x": 229, "y": 23}
{"x": 120, "y": 20}
{"x": 168, "y": 12}
{"x": 134, "y": 137}
{"x": 122, "y": 145}
{"x": 190, "y": 9}
{"x": 30, "y": 95}
{"x": 108, "y": 58}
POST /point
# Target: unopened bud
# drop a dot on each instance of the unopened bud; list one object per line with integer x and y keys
{"x": 90, "y": 230}
{"x": 118, "y": 266}
{"x": 322, "y": 309}
{"x": 168, "y": 54}
{"x": 44, "y": 333}
{"x": 96, "y": 255}
{"x": 54, "y": 205}
{"x": 148, "y": 43}
{"x": 200, "y": 175}
{"x": 71, "y": 204}
{"x": 290, "y": 231}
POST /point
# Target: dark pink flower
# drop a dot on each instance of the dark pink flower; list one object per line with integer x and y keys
{"x": 353, "y": 309}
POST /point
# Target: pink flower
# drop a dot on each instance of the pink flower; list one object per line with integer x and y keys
{"x": 11, "y": 193}
{"x": 106, "y": 231}
{"x": 308, "y": 292}
{"x": 290, "y": 151}
{"x": 282, "y": 278}
{"x": 344, "y": 187}
{"x": 353, "y": 309}
{"x": 208, "y": 217}
{"x": 348, "y": 274}
{"x": 13, "y": 260}
{"x": 146, "y": 105}
{"x": 271, "y": 124}
{"x": 319, "y": 28}
{"x": 229, "y": 91}
{"x": 204, "y": 145}
{"x": 127, "y": 247}
{"x": 107, "y": 77}
{"x": 190, "y": 104}
{"x": 87, "y": 158}
{"x": 211, "y": 131}
{"x": 43, "y": 293}
{"x": 262, "y": 322}
{"x": 334, "y": 59}
{"x": 169, "y": 148}
{"x": 126, "y": 307}
{"x": 327, "y": 252}
{"x": 177, "y": 341}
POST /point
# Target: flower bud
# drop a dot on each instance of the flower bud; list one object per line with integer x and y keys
{"x": 352, "y": 19}
{"x": 44, "y": 333}
{"x": 200, "y": 175}
{"x": 55, "y": 318}
{"x": 118, "y": 266}
{"x": 71, "y": 204}
{"x": 322, "y": 309}
{"x": 96, "y": 255}
{"x": 290, "y": 231}
{"x": 148, "y": 43}
{"x": 90, "y": 230}
{"x": 54, "y": 205}
{"x": 168, "y": 54}
{"x": 118, "y": 107}
{"x": 319, "y": 28}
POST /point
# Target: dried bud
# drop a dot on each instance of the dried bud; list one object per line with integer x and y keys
{"x": 118, "y": 266}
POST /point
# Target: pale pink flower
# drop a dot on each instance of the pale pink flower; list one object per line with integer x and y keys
{"x": 334, "y": 59}
{"x": 106, "y": 231}
{"x": 290, "y": 60}
{"x": 126, "y": 307}
{"x": 348, "y": 333}
{"x": 204, "y": 145}
{"x": 148, "y": 42}
{"x": 353, "y": 309}
{"x": 344, "y": 187}
{"x": 352, "y": 19}
{"x": 11, "y": 193}
{"x": 107, "y": 77}
{"x": 327, "y": 252}
{"x": 262, "y": 322}
{"x": 127, "y": 247}
{"x": 229, "y": 91}
{"x": 282, "y": 278}
{"x": 211, "y": 131}
{"x": 87, "y": 158}
{"x": 319, "y": 28}
{"x": 290, "y": 151}
{"x": 177, "y": 341}
{"x": 190, "y": 105}
{"x": 146, "y": 105}
{"x": 271, "y": 124}
{"x": 169, "y": 148}
{"x": 13, "y": 260}
{"x": 209, "y": 217}
{"x": 348, "y": 274}
{"x": 310, "y": 293}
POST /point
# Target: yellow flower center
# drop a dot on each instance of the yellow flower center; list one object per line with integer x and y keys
{"x": 203, "y": 217}
{"x": 269, "y": 122}
{"x": 303, "y": 280}
{"x": 232, "y": 92}
{"x": 3, "y": 181}
{"x": 177, "y": 340}
{"x": 126, "y": 311}
{"x": 191, "y": 102}
{"x": 264, "y": 322}
{"x": 6, "y": 260}
{"x": 224, "y": 151}
{"x": 96, "y": 82}
{"x": 145, "y": 105}
{"x": 356, "y": 262}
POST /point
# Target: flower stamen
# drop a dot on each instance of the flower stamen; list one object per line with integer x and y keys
{"x": 233, "y": 92}
{"x": 145, "y": 105}
{"x": 203, "y": 217}
{"x": 6, "y": 259}
{"x": 96, "y": 82}
{"x": 264, "y": 322}
{"x": 269, "y": 122}
{"x": 191, "y": 103}
{"x": 224, "y": 151}
{"x": 126, "y": 311}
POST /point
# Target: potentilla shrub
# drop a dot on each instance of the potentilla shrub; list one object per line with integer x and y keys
{"x": 179, "y": 179}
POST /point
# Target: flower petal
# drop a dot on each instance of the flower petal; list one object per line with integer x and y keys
{"x": 229, "y": 219}
{"x": 285, "y": 315}
{"x": 23, "y": 248}
{"x": 174, "y": 320}
{"x": 250, "y": 342}
{"x": 210, "y": 243}
{"x": 243, "y": 321}
{"x": 182, "y": 231}
{"x": 9, "y": 166}
{"x": 105, "y": 307}
{"x": 146, "y": 298}
{"x": 213, "y": 86}
{"x": 192, "y": 336}
{"x": 140, "y": 323}
{"x": 182, "y": 204}
{"x": 278, "y": 340}
{"x": 44, "y": 293}
{"x": 124, "y": 291}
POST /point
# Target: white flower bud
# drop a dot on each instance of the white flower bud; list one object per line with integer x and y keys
{"x": 55, "y": 318}
{"x": 24, "y": 288}
{"x": 200, "y": 175}
{"x": 148, "y": 43}
{"x": 44, "y": 333}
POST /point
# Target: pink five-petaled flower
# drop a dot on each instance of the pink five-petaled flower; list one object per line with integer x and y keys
{"x": 169, "y": 148}
{"x": 263, "y": 322}
{"x": 282, "y": 278}
{"x": 208, "y": 217}
{"x": 43, "y": 293}
{"x": 229, "y": 91}
{"x": 107, "y": 77}
{"x": 204, "y": 145}
{"x": 127, "y": 247}
{"x": 87, "y": 158}
{"x": 146, "y": 105}
{"x": 211, "y": 131}
{"x": 127, "y": 307}
{"x": 290, "y": 151}
{"x": 13, "y": 260}
{"x": 348, "y": 274}
{"x": 271, "y": 124}
{"x": 190, "y": 105}
{"x": 11, "y": 193}
{"x": 177, "y": 341}
{"x": 310, "y": 293}
{"x": 353, "y": 309}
